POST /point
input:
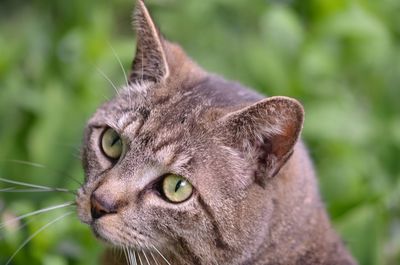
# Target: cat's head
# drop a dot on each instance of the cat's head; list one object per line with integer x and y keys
{"x": 183, "y": 160}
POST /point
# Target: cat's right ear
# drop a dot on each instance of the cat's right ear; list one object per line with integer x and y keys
{"x": 264, "y": 132}
{"x": 150, "y": 63}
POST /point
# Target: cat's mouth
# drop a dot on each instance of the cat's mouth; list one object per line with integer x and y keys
{"x": 108, "y": 233}
{"x": 111, "y": 230}
{"x": 135, "y": 246}
{"x": 106, "y": 227}
{"x": 101, "y": 233}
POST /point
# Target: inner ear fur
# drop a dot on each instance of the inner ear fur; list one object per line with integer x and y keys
{"x": 266, "y": 132}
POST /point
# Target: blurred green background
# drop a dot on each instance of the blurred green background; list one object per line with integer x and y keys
{"x": 341, "y": 58}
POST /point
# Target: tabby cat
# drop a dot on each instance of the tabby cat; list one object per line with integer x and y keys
{"x": 185, "y": 167}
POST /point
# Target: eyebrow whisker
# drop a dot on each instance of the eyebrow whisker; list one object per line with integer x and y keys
{"x": 120, "y": 63}
{"x": 109, "y": 80}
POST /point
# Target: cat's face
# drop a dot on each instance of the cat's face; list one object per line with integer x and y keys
{"x": 181, "y": 160}
{"x": 175, "y": 137}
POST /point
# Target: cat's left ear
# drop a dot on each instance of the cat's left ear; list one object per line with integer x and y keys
{"x": 265, "y": 132}
{"x": 150, "y": 63}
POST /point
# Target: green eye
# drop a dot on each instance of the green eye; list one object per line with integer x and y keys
{"x": 111, "y": 144}
{"x": 176, "y": 188}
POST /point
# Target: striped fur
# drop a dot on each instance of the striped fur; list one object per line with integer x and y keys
{"x": 256, "y": 199}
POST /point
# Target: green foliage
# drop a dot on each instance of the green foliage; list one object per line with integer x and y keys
{"x": 340, "y": 58}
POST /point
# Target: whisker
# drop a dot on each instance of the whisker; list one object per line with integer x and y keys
{"x": 129, "y": 256}
{"x": 108, "y": 79}
{"x": 140, "y": 260}
{"x": 123, "y": 70}
{"x": 37, "y": 212}
{"x": 119, "y": 61}
{"x": 120, "y": 252}
{"x": 154, "y": 258}
{"x": 107, "y": 99}
{"x": 126, "y": 254}
{"x": 134, "y": 256}
{"x": 161, "y": 255}
{"x": 34, "y": 185}
{"x": 115, "y": 251}
{"x": 145, "y": 256}
{"x": 15, "y": 190}
{"x": 80, "y": 183}
{"x": 75, "y": 180}
{"x": 35, "y": 234}
{"x": 7, "y": 189}
{"x": 34, "y": 164}
{"x": 23, "y": 162}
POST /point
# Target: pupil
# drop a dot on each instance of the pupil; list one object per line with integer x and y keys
{"x": 115, "y": 140}
{"x": 179, "y": 184}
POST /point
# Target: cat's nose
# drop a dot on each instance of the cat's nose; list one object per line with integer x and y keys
{"x": 100, "y": 206}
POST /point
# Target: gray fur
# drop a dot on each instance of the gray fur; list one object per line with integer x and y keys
{"x": 256, "y": 199}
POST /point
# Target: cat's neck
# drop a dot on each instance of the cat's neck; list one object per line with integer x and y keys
{"x": 300, "y": 232}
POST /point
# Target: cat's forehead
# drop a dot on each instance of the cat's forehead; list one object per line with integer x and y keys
{"x": 137, "y": 102}
{"x": 194, "y": 103}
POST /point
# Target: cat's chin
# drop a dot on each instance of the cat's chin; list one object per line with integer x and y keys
{"x": 100, "y": 234}
{"x": 110, "y": 241}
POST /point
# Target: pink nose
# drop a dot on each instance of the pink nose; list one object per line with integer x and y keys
{"x": 100, "y": 206}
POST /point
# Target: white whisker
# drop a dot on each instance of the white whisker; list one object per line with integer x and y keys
{"x": 130, "y": 256}
{"x": 126, "y": 254}
{"x": 7, "y": 189}
{"x": 33, "y": 185}
{"x": 145, "y": 256}
{"x": 154, "y": 258}
{"x": 140, "y": 260}
{"x": 75, "y": 180}
{"x": 124, "y": 72}
{"x": 35, "y": 234}
{"x": 15, "y": 190}
{"x": 120, "y": 63}
{"x": 120, "y": 252}
{"x": 22, "y": 162}
{"x": 37, "y": 212}
{"x": 161, "y": 255}
{"x": 37, "y": 165}
{"x": 134, "y": 257}
{"x": 108, "y": 79}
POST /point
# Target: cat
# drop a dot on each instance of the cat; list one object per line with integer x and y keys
{"x": 185, "y": 167}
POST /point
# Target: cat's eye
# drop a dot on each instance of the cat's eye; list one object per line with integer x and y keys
{"x": 111, "y": 144}
{"x": 176, "y": 188}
